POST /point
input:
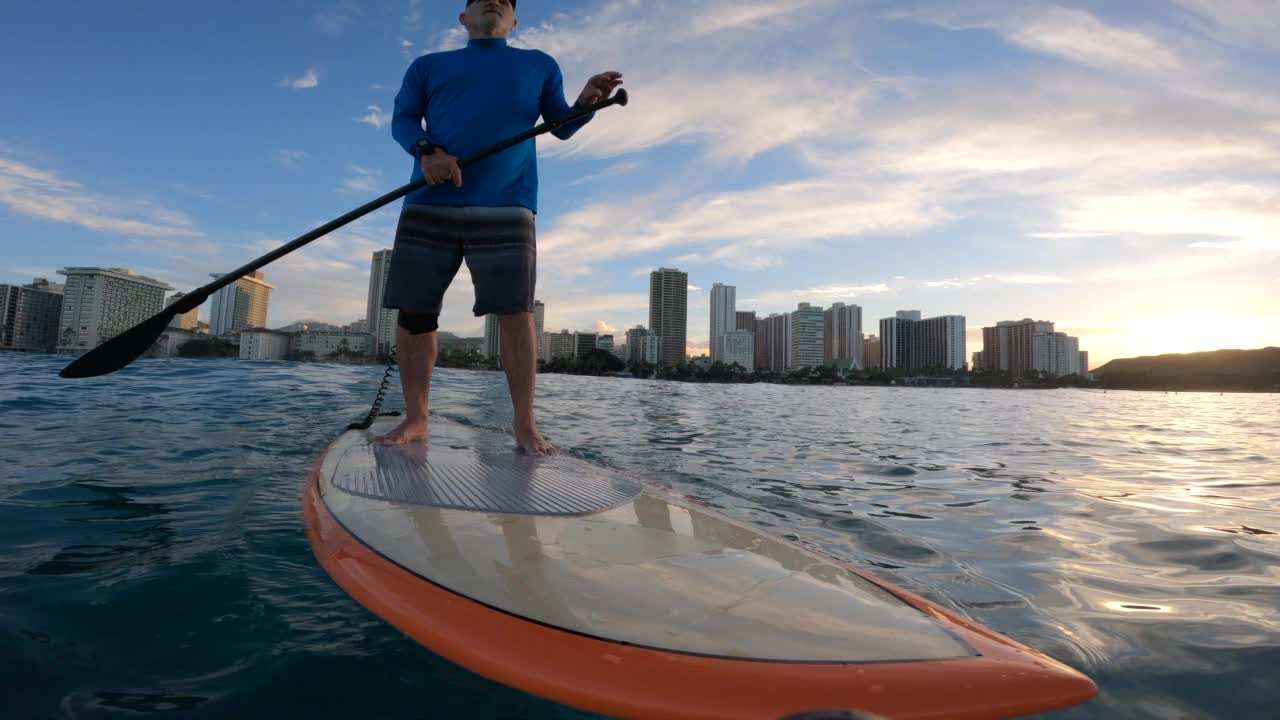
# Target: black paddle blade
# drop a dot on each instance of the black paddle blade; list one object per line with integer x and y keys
{"x": 620, "y": 97}
{"x": 121, "y": 349}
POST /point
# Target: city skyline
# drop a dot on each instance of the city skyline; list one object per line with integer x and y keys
{"x": 1112, "y": 168}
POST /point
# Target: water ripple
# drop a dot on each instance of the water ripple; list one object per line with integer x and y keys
{"x": 155, "y": 562}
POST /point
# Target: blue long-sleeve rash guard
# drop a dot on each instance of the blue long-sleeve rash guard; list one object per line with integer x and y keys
{"x": 472, "y": 98}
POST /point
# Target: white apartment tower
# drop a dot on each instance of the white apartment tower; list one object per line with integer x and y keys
{"x": 939, "y": 342}
{"x": 492, "y": 346}
{"x": 539, "y": 342}
{"x": 643, "y": 346}
{"x": 1056, "y": 353}
{"x": 807, "y": 337}
{"x": 842, "y": 336}
{"x": 737, "y": 346}
{"x": 100, "y": 303}
{"x": 895, "y": 339}
{"x": 380, "y": 321}
{"x": 723, "y": 315}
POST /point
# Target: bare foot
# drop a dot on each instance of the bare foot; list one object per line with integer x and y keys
{"x": 531, "y": 441}
{"x": 408, "y": 431}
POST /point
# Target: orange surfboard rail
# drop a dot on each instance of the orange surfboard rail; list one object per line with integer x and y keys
{"x": 1004, "y": 679}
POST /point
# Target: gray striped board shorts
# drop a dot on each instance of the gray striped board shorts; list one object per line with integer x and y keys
{"x": 498, "y": 243}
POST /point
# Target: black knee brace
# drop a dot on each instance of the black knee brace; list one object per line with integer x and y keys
{"x": 419, "y": 323}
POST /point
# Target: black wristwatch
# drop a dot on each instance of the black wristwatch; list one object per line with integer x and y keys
{"x": 424, "y": 147}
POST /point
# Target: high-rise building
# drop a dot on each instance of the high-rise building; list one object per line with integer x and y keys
{"x": 842, "y": 336}
{"x": 584, "y": 343}
{"x": 643, "y": 346}
{"x": 561, "y": 345}
{"x": 380, "y": 321}
{"x": 806, "y": 337}
{"x": 909, "y": 343}
{"x": 724, "y": 308}
{"x": 1007, "y": 346}
{"x": 978, "y": 362}
{"x": 188, "y": 320}
{"x": 1056, "y": 353}
{"x": 761, "y": 345}
{"x": 773, "y": 343}
{"x": 492, "y": 337}
{"x": 737, "y": 346}
{"x": 29, "y": 316}
{"x": 745, "y": 320}
{"x": 100, "y": 303}
{"x": 668, "y": 312}
{"x": 995, "y": 348}
{"x": 871, "y": 351}
{"x": 1084, "y": 362}
{"x": 604, "y": 342}
{"x": 539, "y": 317}
{"x": 240, "y": 305}
{"x": 895, "y": 340}
{"x": 360, "y": 326}
{"x": 938, "y": 342}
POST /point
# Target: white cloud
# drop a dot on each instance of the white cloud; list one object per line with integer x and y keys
{"x": 1238, "y": 215}
{"x": 694, "y": 288}
{"x": 452, "y": 39}
{"x": 363, "y": 180}
{"x": 604, "y": 328}
{"x": 998, "y": 278}
{"x": 846, "y": 291}
{"x": 712, "y": 91}
{"x": 286, "y": 156}
{"x": 194, "y": 192}
{"x": 1028, "y": 279}
{"x": 613, "y": 170}
{"x": 335, "y": 18}
{"x": 582, "y": 310}
{"x": 1083, "y": 38}
{"x": 786, "y": 300}
{"x": 43, "y": 194}
{"x": 413, "y": 19}
{"x": 743, "y": 224}
{"x": 375, "y": 117}
{"x": 1068, "y": 33}
{"x": 309, "y": 80}
{"x": 1255, "y": 22}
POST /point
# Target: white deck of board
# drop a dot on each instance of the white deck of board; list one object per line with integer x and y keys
{"x": 653, "y": 571}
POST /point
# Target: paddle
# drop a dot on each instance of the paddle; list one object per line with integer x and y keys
{"x": 132, "y": 343}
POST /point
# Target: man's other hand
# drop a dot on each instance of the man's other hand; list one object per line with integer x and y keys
{"x": 599, "y": 87}
{"x": 440, "y": 167}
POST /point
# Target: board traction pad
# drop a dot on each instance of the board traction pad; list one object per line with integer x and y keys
{"x": 467, "y": 468}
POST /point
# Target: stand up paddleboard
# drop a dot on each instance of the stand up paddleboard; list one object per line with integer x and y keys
{"x": 581, "y": 585}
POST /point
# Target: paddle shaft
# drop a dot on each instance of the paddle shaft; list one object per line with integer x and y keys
{"x": 197, "y": 297}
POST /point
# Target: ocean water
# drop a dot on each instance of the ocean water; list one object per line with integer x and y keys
{"x": 153, "y": 562}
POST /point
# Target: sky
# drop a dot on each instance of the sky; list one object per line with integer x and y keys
{"x": 1111, "y": 167}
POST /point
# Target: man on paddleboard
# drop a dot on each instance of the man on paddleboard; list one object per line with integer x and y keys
{"x": 468, "y": 99}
